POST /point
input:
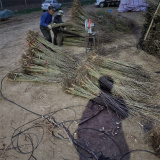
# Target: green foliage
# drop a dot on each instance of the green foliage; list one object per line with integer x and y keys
{"x": 112, "y": 23}
{"x": 87, "y": 2}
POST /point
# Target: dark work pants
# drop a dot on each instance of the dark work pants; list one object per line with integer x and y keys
{"x": 46, "y": 33}
{"x": 55, "y": 31}
{"x": 58, "y": 37}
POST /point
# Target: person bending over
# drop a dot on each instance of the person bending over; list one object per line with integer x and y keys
{"x": 45, "y": 23}
{"x": 56, "y": 31}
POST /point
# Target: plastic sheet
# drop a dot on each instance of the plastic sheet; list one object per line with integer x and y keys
{"x": 132, "y": 5}
{"x": 6, "y": 13}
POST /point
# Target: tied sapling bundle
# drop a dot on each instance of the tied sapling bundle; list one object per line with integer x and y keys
{"x": 45, "y": 61}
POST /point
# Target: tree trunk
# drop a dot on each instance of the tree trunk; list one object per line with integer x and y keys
{"x": 26, "y": 3}
{"x": 1, "y": 4}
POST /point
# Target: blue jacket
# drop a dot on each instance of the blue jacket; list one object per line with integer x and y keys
{"x": 46, "y": 18}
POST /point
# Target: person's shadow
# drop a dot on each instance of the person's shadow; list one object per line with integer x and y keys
{"x": 100, "y": 128}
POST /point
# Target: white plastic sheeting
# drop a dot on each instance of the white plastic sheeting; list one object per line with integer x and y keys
{"x": 132, "y": 5}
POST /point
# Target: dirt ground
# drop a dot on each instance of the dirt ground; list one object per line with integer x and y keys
{"x": 43, "y": 99}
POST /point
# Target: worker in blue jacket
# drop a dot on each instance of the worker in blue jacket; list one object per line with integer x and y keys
{"x": 45, "y": 23}
{"x": 56, "y": 31}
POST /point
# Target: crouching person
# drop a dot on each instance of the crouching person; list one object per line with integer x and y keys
{"x": 58, "y": 35}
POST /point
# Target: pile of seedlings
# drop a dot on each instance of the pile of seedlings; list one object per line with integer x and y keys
{"x": 105, "y": 25}
{"x": 131, "y": 89}
{"x": 43, "y": 62}
{"x": 120, "y": 81}
{"x": 126, "y": 88}
{"x": 74, "y": 35}
{"x": 150, "y": 40}
{"x": 75, "y": 30}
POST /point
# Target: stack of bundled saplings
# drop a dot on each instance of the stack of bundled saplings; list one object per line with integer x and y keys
{"x": 44, "y": 62}
{"x": 74, "y": 35}
{"x": 75, "y": 31}
{"x": 135, "y": 87}
{"x": 150, "y": 40}
{"x": 105, "y": 25}
{"x": 131, "y": 88}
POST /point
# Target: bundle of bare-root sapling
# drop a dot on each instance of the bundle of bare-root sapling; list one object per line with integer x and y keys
{"x": 44, "y": 62}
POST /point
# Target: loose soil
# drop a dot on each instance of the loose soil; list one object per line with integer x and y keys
{"x": 43, "y": 98}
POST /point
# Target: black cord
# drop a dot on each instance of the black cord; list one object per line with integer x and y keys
{"x": 17, "y": 148}
{"x": 28, "y": 135}
{"x": 20, "y": 131}
{"x": 105, "y": 134}
{"x": 122, "y": 156}
{"x": 137, "y": 150}
{"x": 158, "y": 72}
{"x": 15, "y": 139}
{"x": 15, "y": 102}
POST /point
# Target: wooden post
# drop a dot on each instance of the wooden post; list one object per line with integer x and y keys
{"x": 26, "y": 3}
{"x": 1, "y": 4}
{"x": 151, "y": 22}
